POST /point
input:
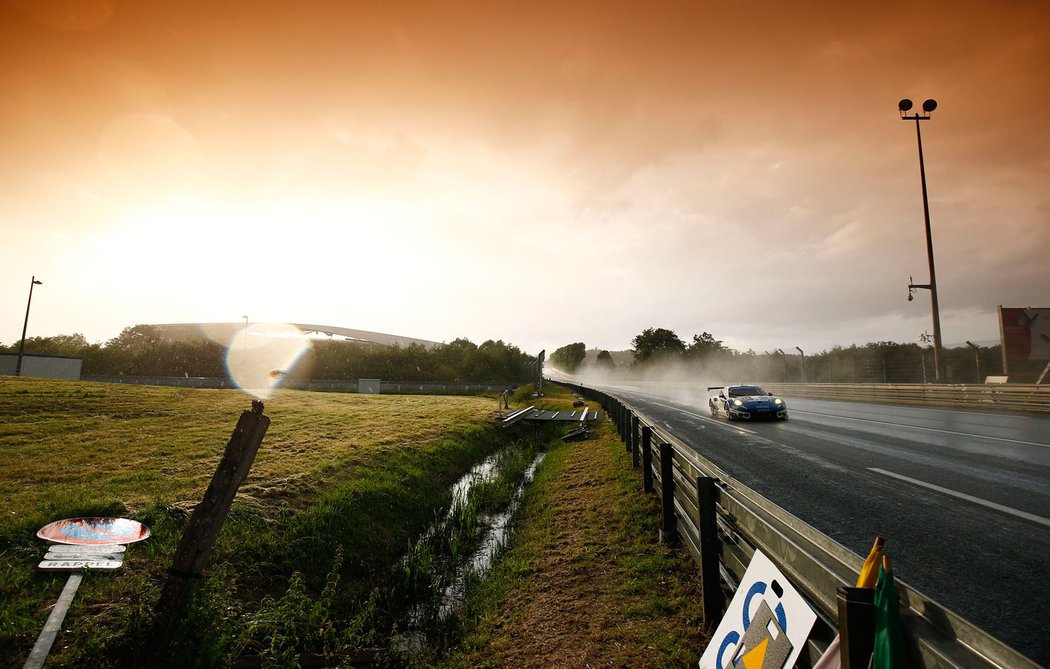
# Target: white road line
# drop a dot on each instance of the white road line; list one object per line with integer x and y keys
{"x": 970, "y": 498}
{"x": 925, "y": 429}
{"x": 705, "y": 418}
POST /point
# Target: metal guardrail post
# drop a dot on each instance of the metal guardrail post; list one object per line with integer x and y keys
{"x": 632, "y": 431}
{"x": 668, "y": 524}
{"x": 636, "y": 454}
{"x": 621, "y": 413}
{"x": 710, "y": 552}
{"x": 856, "y": 626}
{"x": 647, "y": 459}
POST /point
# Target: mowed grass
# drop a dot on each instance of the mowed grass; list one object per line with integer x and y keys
{"x": 586, "y": 582}
{"x": 352, "y": 475}
{"x": 64, "y": 441}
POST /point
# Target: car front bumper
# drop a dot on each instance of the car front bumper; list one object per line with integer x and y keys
{"x": 747, "y": 413}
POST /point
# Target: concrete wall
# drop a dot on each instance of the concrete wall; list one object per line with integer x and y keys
{"x": 42, "y": 366}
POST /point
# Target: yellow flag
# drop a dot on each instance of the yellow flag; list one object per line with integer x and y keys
{"x": 869, "y": 573}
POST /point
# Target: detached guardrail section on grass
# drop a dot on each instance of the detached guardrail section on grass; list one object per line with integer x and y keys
{"x": 1000, "y": 396}
{"x": 723, "y": 522}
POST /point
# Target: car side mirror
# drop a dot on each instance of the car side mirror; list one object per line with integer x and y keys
{"x": 770, "y": 394}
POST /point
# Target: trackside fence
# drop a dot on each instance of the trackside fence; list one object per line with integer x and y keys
{"x": 723, "y": 522}
{"x": 998, "y": 396}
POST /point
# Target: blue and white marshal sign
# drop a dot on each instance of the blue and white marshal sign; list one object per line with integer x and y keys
{"x": 766, "y": 625}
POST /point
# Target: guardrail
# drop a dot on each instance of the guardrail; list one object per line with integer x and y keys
{"x": 723, "y": 522}
{"x": 999, "y": 396}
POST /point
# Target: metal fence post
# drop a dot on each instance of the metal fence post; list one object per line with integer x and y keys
{"x": 632, "y": 426}
{"x": 647, "y": 459}
{"x": 710, "y": 579}
{"x": 856, "y": 626}
{"x": 668, "y": 524}
{"x": 636, "y": 455}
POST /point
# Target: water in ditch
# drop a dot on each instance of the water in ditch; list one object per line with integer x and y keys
{"x": 460, "y": 547}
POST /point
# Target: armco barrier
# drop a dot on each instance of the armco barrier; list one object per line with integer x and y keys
{"x": 998, "y": 396}
{"x": 723, "y": 522}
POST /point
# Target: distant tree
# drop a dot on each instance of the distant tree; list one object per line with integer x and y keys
{"x": 135, "y": 338}
{"x": 69, "y": 345}
{"x": 656, "y": 343}
{"x": 569, "y": 357}
{"x": 704, "y": 346}
{"x": 604, "y": 360}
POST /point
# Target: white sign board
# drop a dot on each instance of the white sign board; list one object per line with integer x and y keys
{"x": 66, "y": 565}
{"x": 66, "y": 557}
{"x": 766, "y": 625}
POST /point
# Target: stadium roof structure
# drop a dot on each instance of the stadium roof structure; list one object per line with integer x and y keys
{"x": 224, "y": 332}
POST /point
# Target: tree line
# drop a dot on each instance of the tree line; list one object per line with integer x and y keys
{"x": 659, "y": 350}
{"x": 141, "y": 351}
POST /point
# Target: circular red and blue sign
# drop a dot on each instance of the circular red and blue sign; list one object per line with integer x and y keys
{"x": 94, "y": 531}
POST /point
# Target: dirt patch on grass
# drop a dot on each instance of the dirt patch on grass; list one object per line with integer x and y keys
{"x": 587, "y": 583}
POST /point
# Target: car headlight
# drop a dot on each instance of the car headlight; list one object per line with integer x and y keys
{"x": 738, "y": 403}
{"x": 778, "y": 401}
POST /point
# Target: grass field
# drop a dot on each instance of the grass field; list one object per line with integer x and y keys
{"x": 309, "y": 560}
{"x": 586, "y": 582}
{"x": 340, "y": 486}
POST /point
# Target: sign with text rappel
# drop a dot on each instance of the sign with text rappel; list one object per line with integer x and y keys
{"x": 765, "y": 626}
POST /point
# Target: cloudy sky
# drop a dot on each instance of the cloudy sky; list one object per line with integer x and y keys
{"x": 537, "y": 172}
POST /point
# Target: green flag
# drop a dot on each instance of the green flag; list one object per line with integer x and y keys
{"x": 889, "y": 640}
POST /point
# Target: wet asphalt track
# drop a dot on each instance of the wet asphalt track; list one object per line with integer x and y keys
{"x": 963, "y": 497}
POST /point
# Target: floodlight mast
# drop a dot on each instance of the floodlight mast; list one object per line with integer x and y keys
{"x": 904, "y": 106}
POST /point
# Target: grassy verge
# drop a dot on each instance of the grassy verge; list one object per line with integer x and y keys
{"x": 339, "y": 489}
{"x": 586, "y": 582}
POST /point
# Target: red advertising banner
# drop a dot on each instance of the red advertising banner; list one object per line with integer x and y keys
{"x": 1025, "y": 334}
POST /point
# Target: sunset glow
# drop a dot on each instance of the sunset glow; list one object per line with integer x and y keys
{"x": 540, "y": 173}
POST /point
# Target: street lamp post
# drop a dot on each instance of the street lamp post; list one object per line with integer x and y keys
{"x": 803, "y": 361}
{"x": 904, "y": 106}
{"x": 25, "y": 325}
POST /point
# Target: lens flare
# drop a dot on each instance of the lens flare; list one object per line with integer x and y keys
{"x": 261, "y": 356}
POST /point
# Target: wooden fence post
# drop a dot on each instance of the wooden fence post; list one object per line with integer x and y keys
{"x": 206, "y": 521}
{"x": 668, "y": 524}
{"x": 647, "y": 459}
{"x": 710, "y": 577}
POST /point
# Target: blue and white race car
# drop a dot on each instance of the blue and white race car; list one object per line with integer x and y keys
{"x": 746, "y": 402}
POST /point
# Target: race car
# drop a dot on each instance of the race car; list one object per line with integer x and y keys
{"x": 746, "y": 402}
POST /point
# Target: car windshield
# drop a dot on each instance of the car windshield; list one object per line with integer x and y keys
{"x": 745, "y": 391}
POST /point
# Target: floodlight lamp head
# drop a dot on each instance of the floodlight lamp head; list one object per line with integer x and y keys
{"x": 904, "y": 105}
{"x": 929, "y": 105}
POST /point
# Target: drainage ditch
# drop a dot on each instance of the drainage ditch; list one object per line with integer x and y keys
{"x": 461, "y": 546}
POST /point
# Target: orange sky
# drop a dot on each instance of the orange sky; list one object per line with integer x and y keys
{"x": 540, "y": 172}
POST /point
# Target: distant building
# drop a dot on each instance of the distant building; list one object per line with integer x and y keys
{"x": 42, "y": 366}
